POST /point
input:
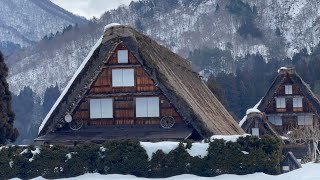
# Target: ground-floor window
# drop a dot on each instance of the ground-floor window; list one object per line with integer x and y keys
{"x": 101, "y": 108}
{"x": 147, "y": 107}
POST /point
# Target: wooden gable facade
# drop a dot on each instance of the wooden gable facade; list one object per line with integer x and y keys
{"x": 123, "y": 91}
{"x": 124, "y": 97}
{"x": 289, "y": 104}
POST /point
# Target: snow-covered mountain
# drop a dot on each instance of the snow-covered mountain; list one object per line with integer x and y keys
{"x": 24, "y": 22}
{"x": 274, "y": 28}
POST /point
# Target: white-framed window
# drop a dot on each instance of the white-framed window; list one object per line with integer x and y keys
{"x": 275, "y": 120}
{"x": 122, "y": 77}
{"x": 281, "y": 102}
{"x": 288, "y": 89}
{"x": 297, "y": 102}
{"x": 305, "y": 120}
{"x": 285, "y": 168}
{"x": 123, "y": 56}
{"x": 101, "y": 108}
{"x": 147, "y": 107}
{"x": 255, "y": 132}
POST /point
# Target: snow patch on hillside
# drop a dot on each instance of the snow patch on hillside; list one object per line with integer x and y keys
{"x": 296, "y": 7}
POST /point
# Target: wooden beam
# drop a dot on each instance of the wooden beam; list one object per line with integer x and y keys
{"x": 291, "y": 114}
{"x": 101, "y": 95}
{"x": 121, "y": 66}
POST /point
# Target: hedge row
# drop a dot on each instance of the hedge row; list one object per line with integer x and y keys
{"x": 128, "y": 157}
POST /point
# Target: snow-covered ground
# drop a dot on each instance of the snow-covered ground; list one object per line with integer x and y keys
{"x": 308, "y": 171}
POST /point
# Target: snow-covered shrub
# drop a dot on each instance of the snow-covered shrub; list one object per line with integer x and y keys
{"x": 210, "y": 158}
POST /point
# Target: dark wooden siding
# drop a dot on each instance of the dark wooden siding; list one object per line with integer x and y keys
{"x": 289, "y": 114}
{"x": 124, "y": 97}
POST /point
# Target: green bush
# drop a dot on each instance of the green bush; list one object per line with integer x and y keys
{"x": 247, "y": 155}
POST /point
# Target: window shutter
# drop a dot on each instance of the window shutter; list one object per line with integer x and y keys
{"x": 141, "y": 107}
{"x": 308, "y": 120}
{"x": 116, "y": 77}
{"x": 95, "y": 109}
{"x": 106, "y": 108}
{"x": 153, "y": 107}
{"x": 278, "y": 120}
{"x": 128, "y": 77}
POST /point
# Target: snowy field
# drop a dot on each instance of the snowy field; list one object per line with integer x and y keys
{"x": 310, "y": 171}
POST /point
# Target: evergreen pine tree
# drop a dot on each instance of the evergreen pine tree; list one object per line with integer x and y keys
{"x": 216, "y": 89}
{"x": 23, "y": 106}
{"x": 7, "y": 116}
{"x": 50, "y": 97}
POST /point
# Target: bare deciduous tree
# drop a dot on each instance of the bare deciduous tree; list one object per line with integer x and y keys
{"x": 309, "y": 135}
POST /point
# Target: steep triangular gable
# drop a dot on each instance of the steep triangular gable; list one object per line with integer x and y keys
{"x": 258, "y": 120}
{"x": 102, "y": 86}
{"x": 172, "y": 74}
{"x": 289, "y": 76}
{"x": 93, "y": 81}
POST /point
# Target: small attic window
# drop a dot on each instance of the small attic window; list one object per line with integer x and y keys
{"x": 255, "y": 132}
{"x": 288, "y": 89}
{"x": 123, "y": 56}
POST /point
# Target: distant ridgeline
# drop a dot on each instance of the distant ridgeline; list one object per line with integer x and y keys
{"x": 241, "y": 155}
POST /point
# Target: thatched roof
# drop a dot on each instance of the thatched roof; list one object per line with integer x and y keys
{"x": 285, "y": 74}
{"x": 259, "y": 118}
{"x": 171, "y": 73}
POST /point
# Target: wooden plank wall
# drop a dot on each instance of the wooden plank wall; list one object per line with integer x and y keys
{"x": 296, "y": 91}
{"x": 124, "y": 105}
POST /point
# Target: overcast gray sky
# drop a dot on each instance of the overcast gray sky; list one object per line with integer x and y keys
{"x": 90, "y": 8}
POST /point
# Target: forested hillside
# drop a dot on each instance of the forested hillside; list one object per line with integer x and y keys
{"x": 25, "y": 22}
{"x": 242, "y": 42}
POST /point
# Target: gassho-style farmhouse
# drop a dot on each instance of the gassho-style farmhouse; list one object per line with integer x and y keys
{"x": 288, "y": 104}
{"x": 130, "y": 87}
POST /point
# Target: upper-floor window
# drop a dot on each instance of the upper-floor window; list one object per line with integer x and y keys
{"x": 305, "y": 120}
{"x": 275, "y": 120}
{"x": 122, "y": 77}
{"x": 288, "y": 89}
{"x": 297, "y": 102}
{"x": 281, "y": 102}
{"x": 101, "y": 108}
{"x": 123, "y": 56}
{"x": 147, "y": 107}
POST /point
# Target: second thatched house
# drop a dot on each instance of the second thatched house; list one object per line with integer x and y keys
{"x": 289, "y": 104}
{"x": 130, "y": 87}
